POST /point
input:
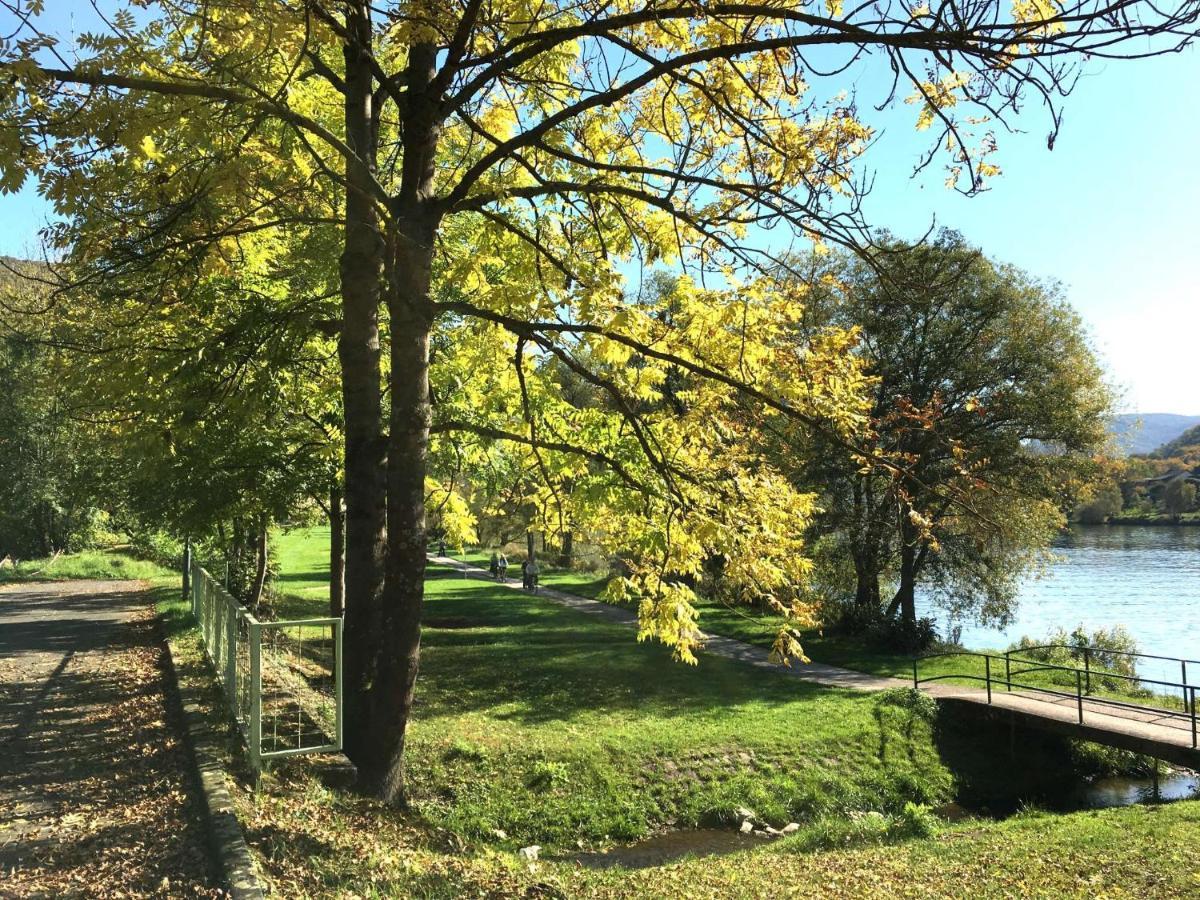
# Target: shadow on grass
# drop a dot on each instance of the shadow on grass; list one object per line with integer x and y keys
{"x": 529, "y": 660}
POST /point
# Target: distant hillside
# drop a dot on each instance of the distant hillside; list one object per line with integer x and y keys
{"x": 1186, "y": 446}
{"x": 1140, "y": 434}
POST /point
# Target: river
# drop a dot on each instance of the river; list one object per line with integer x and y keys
{"x": 1146, "y": 578}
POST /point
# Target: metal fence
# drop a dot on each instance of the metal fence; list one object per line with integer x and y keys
{"x": 282, "y": 680}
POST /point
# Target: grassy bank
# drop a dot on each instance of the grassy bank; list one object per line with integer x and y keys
{"x": 538, "y": 725}
{"x": 87, "y": 565}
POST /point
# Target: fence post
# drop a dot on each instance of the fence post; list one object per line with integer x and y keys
{"x": 1183, "y": 678}
{"x": 187, "y": 570}
{"x": 1087, "y": 667}
{"x": 1193, "y": 690}
{"x": 915, "y": 682}
{"x": 337, "y": 683}
{"x": 1008, "y": 670}
{"x": 987, "y": 672}
{"x": 1079, "y": 693}
{"x": 255, "y": 638}
{"x": 231, "y": 631}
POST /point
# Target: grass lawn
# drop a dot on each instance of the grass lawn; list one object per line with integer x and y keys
{"x": 301, "y": 586}
{"x": 549, "y": 727}
{"x": 90, "y": 564}
{"x": 304, "y": 580}
{"x": 536, "y": 724}
{"x": 840, "y": 650}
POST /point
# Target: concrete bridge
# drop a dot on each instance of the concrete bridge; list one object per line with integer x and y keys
{"x": 1150, "y": 725}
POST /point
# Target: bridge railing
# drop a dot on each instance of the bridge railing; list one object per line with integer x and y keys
{"x": 1090, "y": 655}
{"x": 992, "y": 678}
{"x": 282, "y": 680}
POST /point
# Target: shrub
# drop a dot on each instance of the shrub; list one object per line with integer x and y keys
{"x": 884, "y": 632}
{"x": 917, "y": 702}
{"x": 1106, "y": 649}
{"x": 915, "y": 820}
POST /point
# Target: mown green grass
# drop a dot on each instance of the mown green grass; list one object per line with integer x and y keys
{"x": 554, "y": 727}
{"x": 558, "y": 728}
{"x": 88, "y": 565}
{"x": 305, "y": 584}
{"x": 1135, "y": 852}
{"x": 301, "y": 586}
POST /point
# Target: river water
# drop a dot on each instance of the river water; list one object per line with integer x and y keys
{"x": 1146, "y": 578}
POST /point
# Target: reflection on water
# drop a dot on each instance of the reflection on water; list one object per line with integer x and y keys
{"x": 1145, "y": 578}
{"x": 1107, "y": 792}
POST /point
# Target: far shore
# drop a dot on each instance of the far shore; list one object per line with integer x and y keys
{"x": 1190, "y": 519}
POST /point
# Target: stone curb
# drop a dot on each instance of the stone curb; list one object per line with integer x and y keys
{"x": 226, "y": 840}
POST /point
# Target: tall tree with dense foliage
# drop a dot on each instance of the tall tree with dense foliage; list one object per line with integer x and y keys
{"x": 988, "y": 392}
{"x": 43, "y": 505}
{"x": 527, "y": 154}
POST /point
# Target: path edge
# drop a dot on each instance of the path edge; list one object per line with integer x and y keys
{"x": 226, "y": 840}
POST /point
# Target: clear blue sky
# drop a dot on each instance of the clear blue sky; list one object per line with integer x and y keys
{"x": 1111, "y": 212}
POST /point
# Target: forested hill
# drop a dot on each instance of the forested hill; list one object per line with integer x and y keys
{"x": 12, "y": 271}
{"x": 1145, "y": 434}
{"x": 1185, "y": 447}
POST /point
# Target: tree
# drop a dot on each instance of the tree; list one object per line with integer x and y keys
{"x": 1179, "y": 496}
{"x": 985, "y": 385}
{"x": 43, "y": 508}
{"x": 213, "y": 411}
{"x": 1107, "y": 501}
{"x": 567, "y": 138}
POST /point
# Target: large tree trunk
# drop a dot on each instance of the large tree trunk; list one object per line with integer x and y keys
{"x": 337, "y": 551}
{"x": 905, "y": 599}
{"x": 359, "y": 354}
{"x": 566, "y": 557}
{"x": 866, "y": 574}
{"x": 411, "y": 319}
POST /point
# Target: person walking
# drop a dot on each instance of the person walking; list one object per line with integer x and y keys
{"x": 494, "y": 565}
{"x": 503, "y": 564}
{"x": 530, "y": 568}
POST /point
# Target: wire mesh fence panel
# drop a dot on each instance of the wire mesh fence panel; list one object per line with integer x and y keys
{"x": 282, "y": 680}
{"x": 299, "y": 686}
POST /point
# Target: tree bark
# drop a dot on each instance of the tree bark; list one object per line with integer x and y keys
{"x": 565, "y": 558}
{"x": 359, "y": 355}
{"x": 337, "y": 551}
{"x": 403, "y": 597}
{"x": 905, "y": 599}
{"x": 866, "y": 573}
{"x": 410, "y": 272}
{"x": 260, "y": 564}
{"x": 529, "y": 545}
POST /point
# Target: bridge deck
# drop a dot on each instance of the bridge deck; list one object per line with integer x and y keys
{"x": 1145, "y": 730}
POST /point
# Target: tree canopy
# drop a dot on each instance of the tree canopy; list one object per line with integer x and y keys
{"x": 494, "y": 178}
{"x": 986, "y": 389}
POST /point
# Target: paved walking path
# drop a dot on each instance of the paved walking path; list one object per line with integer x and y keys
{"x": 95, "y": 800}
{"x": 1142, "y": 730}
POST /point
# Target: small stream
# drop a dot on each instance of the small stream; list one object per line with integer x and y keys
{"x": 661, "y": 849}
{"x": 1104, "y": 793}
